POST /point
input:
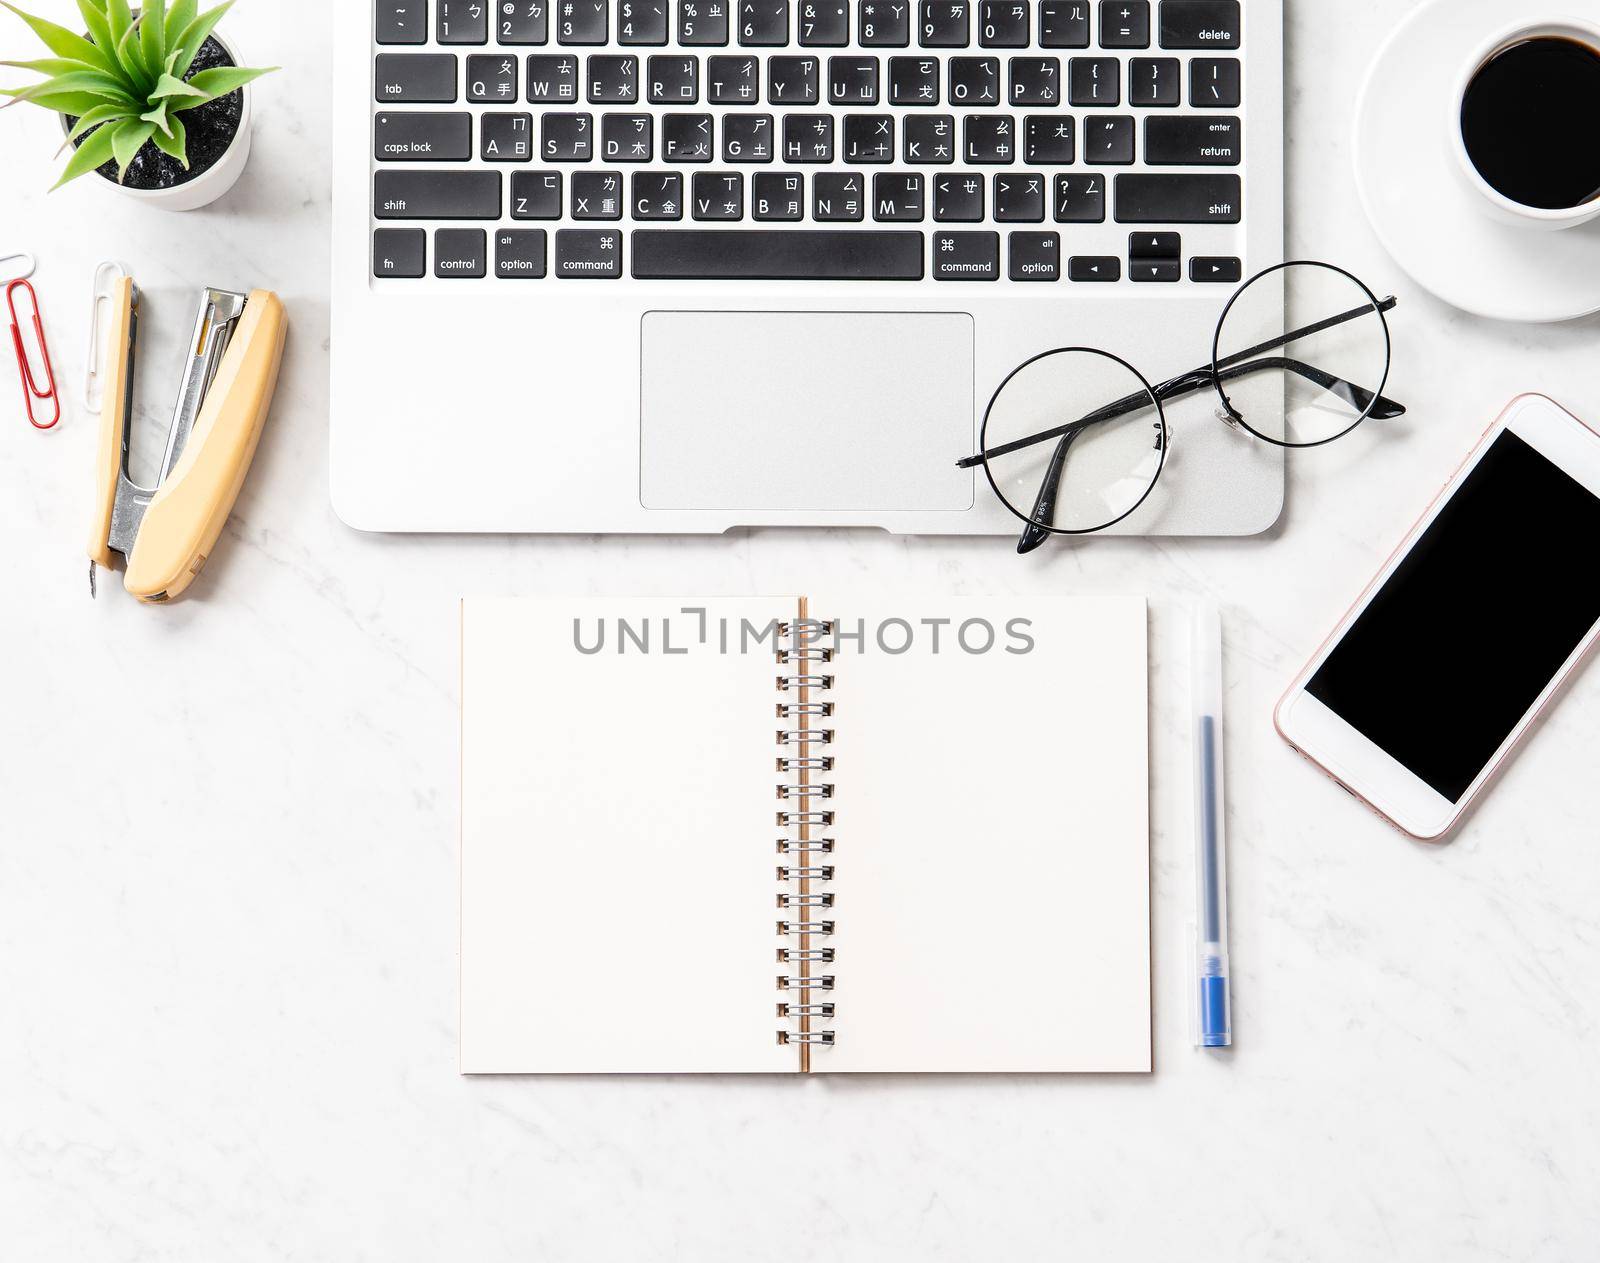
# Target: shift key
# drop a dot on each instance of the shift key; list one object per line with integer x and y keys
{"x": 436, "y": 194}
{"x": 1178, "y": 199}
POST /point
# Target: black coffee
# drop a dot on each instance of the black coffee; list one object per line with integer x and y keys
{"x": 1531, "y": 122}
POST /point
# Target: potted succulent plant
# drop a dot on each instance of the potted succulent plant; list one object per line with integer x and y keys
{"x": 150, "y": 99}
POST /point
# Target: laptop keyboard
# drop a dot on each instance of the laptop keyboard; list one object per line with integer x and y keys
{"x": 861, "y": 140}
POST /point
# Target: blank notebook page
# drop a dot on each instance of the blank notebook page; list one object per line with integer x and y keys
{"x": 617, "y": 825}
{"x": 993, "y": 896}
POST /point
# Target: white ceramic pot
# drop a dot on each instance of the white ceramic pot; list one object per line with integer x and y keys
{"x": 211, "y": 183}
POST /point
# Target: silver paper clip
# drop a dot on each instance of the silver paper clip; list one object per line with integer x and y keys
{"x": 19, "y": 265}
{"x": 105, "y": 277}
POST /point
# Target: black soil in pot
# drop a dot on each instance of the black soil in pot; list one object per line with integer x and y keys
{"x": 211, "y": 129}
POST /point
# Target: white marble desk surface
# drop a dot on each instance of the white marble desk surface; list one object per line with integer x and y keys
{"x": 227, "y": 856}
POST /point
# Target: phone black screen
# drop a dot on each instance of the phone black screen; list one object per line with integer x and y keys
{"x": 1475, "y": 622}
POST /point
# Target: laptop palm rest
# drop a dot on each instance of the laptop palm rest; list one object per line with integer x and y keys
{"x": 806, "y": 411}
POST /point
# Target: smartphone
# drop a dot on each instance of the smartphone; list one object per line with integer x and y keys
{"x": 1467, "y": 633}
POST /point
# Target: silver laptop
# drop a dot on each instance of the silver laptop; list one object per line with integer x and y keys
{"x": 689, "y": 265}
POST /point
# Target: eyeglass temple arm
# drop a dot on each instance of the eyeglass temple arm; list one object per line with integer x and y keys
{"x": 1195, "y": 379}
{"x": 1044, "y": 508}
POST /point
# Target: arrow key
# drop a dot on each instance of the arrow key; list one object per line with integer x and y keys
{"x": 1218, "y": 271}
{"x": 1094, "y": 267}
{"x": 1155, "y": 245}
{"x": 1154, "y": 270}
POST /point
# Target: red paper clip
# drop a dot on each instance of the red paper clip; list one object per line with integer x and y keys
{"x": 30, "y": 382}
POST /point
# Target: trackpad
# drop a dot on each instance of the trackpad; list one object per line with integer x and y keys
{"x": 805, "y": 410}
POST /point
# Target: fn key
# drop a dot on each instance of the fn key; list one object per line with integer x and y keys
{"x": 593, "y": 252}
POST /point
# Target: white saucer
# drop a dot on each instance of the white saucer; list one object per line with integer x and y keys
{"x": 1424, "y": 214}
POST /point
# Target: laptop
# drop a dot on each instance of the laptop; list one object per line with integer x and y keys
{"x": 649, "y": 266}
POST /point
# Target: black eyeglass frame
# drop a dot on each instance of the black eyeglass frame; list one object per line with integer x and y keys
{"x": 1213, "y": 374}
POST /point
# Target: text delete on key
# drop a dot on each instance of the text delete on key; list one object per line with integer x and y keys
{"x": 1200, "y": 24}
{"x": 1177, "y": 199}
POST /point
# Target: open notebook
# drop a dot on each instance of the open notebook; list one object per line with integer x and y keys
{"x": 785, "y": 834}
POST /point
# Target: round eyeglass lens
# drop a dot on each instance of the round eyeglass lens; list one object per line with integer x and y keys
{"x": 1322, "y": 382}
{"x": 1108, "y": 440}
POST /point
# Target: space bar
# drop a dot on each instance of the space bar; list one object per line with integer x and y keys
{"x": 720, "y": 254}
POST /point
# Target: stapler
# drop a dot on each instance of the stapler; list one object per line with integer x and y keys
{"x": 165, "y": 533}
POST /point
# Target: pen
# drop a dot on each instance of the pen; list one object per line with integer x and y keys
{"x": 1213, "y": 1024}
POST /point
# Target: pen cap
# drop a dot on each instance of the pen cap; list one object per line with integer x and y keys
{"x": 1205, "y": 660}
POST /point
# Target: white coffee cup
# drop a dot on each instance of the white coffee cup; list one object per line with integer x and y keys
{"x": 1497, "y": 204}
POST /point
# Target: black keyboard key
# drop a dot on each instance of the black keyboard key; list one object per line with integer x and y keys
{"x": 401, "y": 22}
{"x": 1200, "y": 24}
{"x": 423, "y": 78}
{"x": 627, "y": 138}
{"x": 974, "y": 81}
{"x": 852, "y": 80}
{"x": 944, "y": 24}
{"x": 1108, "y": 140}
{"x": 778, "y": 255}
{"x": 718, "y": 195}
{"x": 793, "y": 80}
{"x": 958, "y": 199}
{"x": 418, "y": 137}
{"x": 808, "y": 138}
{"x": 733, "y": 80}
{"x": 400, "y": 253}
{"x": 492, "y": 78}
{"x": 519, "y": 254}
{"x": 1035, "y": 80}
{"x": 1178, "y": 199}
{"x": 1155, "y": 245}
{"x": 1155, "y": 81}
{"x": 463, "y": 21}
{"x": 588, "y": 252}
{"x": 703, "y": 23}
{"x": 1212, "y": 270}
{"x": 1162, "y": 270}
{"x": 913, "y": 81}
{"x": 1080, "y": 199}
{"x": 686, "y": 137}
{"x": 763, "y": 23}
{"x": 930, "y": 139}
{"x": 1124, "y": 23}
{"x": 582, "y": 21}
{"x": 567, "y": 138}
{"x": 596, "y": 195}
{"x": 1004, "y": 23}
{"x": 552, "y": 78}
{"x": 657, "y": 195}
{"x": 642, "y": 22}
{"x": 749, "y": 138}
{"x": 1048, "y": 140}
{"x": 869, "y": 138}
{"x": 989, "y": 139}
{"x": 778, "y": 195}
{"x": 898, "y": 197}
{"x": 966, "y": 256}
{"x": 1019, "y": 198}
{"x": 1094, "y": 81}
{"x": 464, "y": 194}
{"x": 1034, "y": 256}
{"x": 506, "y": 138}
{"x": 674, "y": 80}
{"x": 523, "y": 22}
{"x": 884, "y": 23}
{"x": 613, "y": 79}
{"x": 838, "y": 197}
{"x": 461, "y": 252}
{"x": 536, "y": 195}
{"x": 1092, "y": 268}
{"x": 1064, "y": 23}
{"x": 1214, "y": 83}
{"x": 824, "y": 23}
{"x": 1197, "y": 141}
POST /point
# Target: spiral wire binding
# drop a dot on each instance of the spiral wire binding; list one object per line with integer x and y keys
{"x": 800, "y": 769}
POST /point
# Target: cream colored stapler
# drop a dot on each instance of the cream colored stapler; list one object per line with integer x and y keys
{"x": 166, "y": 533}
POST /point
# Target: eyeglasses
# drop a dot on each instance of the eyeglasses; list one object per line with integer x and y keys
{"x": 1075, "y": 439}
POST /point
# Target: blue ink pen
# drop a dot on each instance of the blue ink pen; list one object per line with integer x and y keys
{"x": 1213, "y": 1025}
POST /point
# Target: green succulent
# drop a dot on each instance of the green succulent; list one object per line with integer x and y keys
{"x": 127, "y": 81}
